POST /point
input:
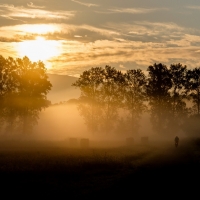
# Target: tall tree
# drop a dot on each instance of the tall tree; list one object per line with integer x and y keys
{"x": 193, "y": 89}
{"x": 111, "y": 97}
{"x": 24, "y": 92}
{"x": 134, "y": 97}
{"x": 8, "y": 85}
{"x": 32, "y": 91}
{"x": 178, "y": 94}
{"x": 90, "y": 82}
{"x": 100, "y": 97}
{"x": 158, "y": 85}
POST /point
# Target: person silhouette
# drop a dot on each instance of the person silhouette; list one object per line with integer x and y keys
{"x": 176, "y": 140}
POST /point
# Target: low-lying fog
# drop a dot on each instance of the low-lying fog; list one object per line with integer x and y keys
{"x": 59, "y": 122}
{"x": 62, "y": 122}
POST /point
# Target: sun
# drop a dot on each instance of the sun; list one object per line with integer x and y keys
{"x": 39, "y": 49}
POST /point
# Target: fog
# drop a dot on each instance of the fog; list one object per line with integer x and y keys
{"x": 63, "y": 122}
{"x": 61, "y": 88}
{"x": 59, "y": 122}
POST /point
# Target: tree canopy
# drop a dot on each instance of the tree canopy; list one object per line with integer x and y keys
{"x": 116, "y": 101}
{"x": 23, "y": 89}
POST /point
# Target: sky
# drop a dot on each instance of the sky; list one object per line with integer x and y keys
{"x": 72, "y": 36}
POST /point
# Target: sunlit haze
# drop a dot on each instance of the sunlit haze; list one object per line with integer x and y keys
{"x": 39, "y": 49}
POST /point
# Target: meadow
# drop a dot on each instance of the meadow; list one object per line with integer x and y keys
{"x": 53, "y": 169}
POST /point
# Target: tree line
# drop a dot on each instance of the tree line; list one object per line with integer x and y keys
{"x": 110, "y": 100}
{"x": 114, "y": 101}
{"x": 23, "y": 89}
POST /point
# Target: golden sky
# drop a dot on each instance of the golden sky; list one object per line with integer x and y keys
{"x": 71, "y": 36}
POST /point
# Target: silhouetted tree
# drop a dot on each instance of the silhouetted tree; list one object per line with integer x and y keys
{"x": 32, "y": 91}
{"x": 90, "y": 82}
{"x": 100, "y": 97}
{"x": 112, "y": 92}
{"x": 158, "y": 84}
{"x": 178, "y": 94}
{"x": 104, "y": 91}
{"x": 134, "y": 97}
{"x": 24, "y": 92}
{"x": 8, "y": 85}
{"x": 193, "y": 89}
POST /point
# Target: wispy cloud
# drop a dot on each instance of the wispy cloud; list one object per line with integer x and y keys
{"x": 121, "y": 66}
{"x": 102, "y": 31}
{"x": 8, "y": 39}
{"x": 134, "y": 10}
{"x": 154, "y": 42}
{"x": 20, "y": 12}
{"x": 26, "y": 31}
{"x": 85, "y": 4}
{"x": 74, "y": 63}
{"x": 193, "y": 7}
{"x": 77, "y": 36}
{"x": 34, "y": 6}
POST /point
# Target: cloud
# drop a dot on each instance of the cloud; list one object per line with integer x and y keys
{"x": 88, "y": 33}
{"x": 34, "y": 6}
{"x": 78, "y": 62}
{"x": 74, "y": 63}
{"x": 84, "y": 33}
{"x": 145, "y": 31}
{"x": 7, "y": 39}
{"x": 134, "y": 10}
{"x": 12, "y": 12}
{"x": 85, "y": 4}
{"x": 103, "y": 31}
{"x": 77, "y": 36}
{"x": 193, "y": 7}
{"x": 140, "y": 44}
{"x": 136, "y": 44}
{"x": 121, "y": 66}
{"x": 7, "y": 49}
{"x": 26, "y": 31}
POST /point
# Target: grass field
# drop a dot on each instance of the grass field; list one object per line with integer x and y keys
{"x": 52, "y": 169}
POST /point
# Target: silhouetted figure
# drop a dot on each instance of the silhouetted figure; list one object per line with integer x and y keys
{"x": 176, "y": 140}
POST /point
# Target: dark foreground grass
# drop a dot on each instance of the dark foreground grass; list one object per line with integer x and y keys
{"x": 51, "y": 169}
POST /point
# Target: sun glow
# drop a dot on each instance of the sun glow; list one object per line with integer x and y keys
{"x": 37, "y": 28}
{"x": 39, "y": 49}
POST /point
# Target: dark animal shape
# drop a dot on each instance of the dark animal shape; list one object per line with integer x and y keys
{"x": 176, "y": 140}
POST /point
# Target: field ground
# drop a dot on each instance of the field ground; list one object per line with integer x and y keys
{"x": 53, "y": 169}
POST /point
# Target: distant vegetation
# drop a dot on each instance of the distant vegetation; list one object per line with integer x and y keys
{"x": 114, "y": 101}
{"x": 23, "y": 89}
{"x": 110, "y": 101}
